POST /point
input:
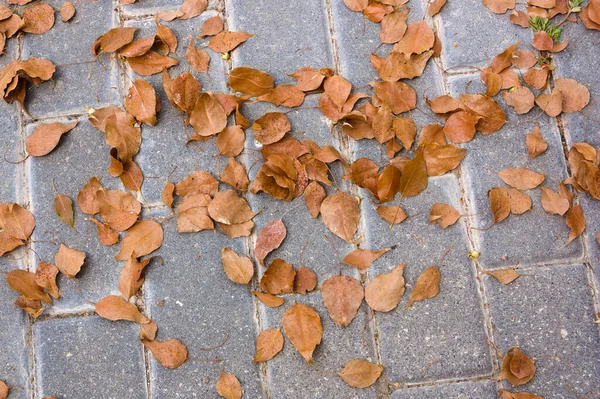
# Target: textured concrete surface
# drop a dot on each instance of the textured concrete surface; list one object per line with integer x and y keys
{"x": 449, "y": 347}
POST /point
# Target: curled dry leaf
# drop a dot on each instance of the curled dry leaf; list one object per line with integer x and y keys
{"x": 250, "y": 81}
{"x": 130, "y": 278}
{"x": 342, "y": 296}
{"x": 32, "y": 307}
{"x": 142, "y": 238}
{"x": 576, "y": 222}
{"x": 45, "y": 138}
{"x": 303, "y": 327}
{"x": 24, "y": 283}
{"x": 536, "y": 144}
{"x": 314, "y": 195}
{"x": 268, "y": 344}
{"x": 45, "y": 277}
{"x": 238, "y": 268}
{"x": 69, "y": 260}
{"x": 119, "y": 209}
{"x": 517, "y": 367}
{"x": 426, "y": 287}
{"x": 388, "y": 184}
{"x": 305, "y": 280}
{"x": 167, "y": 195}
{"x": 170, "y": 354}
{"x": 67, "y": 11}
{"x": 363, "y": 258}
{"x": 64, "y": 209}
{"x": 278, "y": 278}
{"x": 269, "y": 238}
{"x": 114, "y": 307}
{"x": 360, "y": 373}
{"x": 267, "y": 299}
{"x": 341, "y": 215}
{"x": 521, "y": 178}
{"x": 444, "y": 215}
{"x": 384, "y": 292}
{"x": 228, "y": 386}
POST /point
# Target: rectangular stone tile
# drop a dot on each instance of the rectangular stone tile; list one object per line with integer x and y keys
{"x": 144, "y": 7}
{"x": 467, "y": 37}
{"x": 79, "y": 80}
{"x": 289, "y": 375}
{"x": 12, "y": 142}
{"x": 164, "y": 149}
{"x": 81, "y": 154}
{"x": 439, "y": 338}
{"x": 549, "y": 314}
{"x": 89, "y": 357}
{"x": 201, "y": 307}
{"x": 591, "y": 211}
{"x": 533, "y": 237}
{"x": 289, "y": 35}
{"x": 461, "y": 390}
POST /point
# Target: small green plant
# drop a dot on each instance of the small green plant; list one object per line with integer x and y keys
{"x": 539, "y": 24}
{"x": 575, "y": 5}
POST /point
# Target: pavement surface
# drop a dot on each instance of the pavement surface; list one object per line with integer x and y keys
{"x": 446, "y": 347}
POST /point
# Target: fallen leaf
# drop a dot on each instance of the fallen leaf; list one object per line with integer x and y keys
{"x": 414, "y": 176}
{"x": 575, "y": 96}
{"x": 505, "y": 276}
{"x": 87, "y": 199}
{"x": 67, "y": 11}
{"x": 551, "y": 104}
{"x": 308, "y": 79}
{"x": 130, "y": 277}
{"x": 38, "y": 19}
{"x": 360, "y": 373}
{"x": 142, "y": 238}
{"x": 197, "y": 58}
{"x": 521, "y": 395}
{"x": 119, "y": 209}
{"x": 45, "y": 277}
{"x": 45, "y": 138}
{"x": 517, "y": 367}
{"x": 443, "y": 214}
{"x": 553, "y": 203}
{"x": 391, "y": 214}
{"x": 212, "y": 26}
{"x": 69, "y": 260}
{"x": 229, "y": 208}
{"x": 170, "y": 354}
{"x": 227, "y": 41}
{"x": 198, "y": 182}
{"x": 284, "y": 95}
{"x": 271, "y": 127}
{"x": 383, "y": 293}
{"x": 192, "y": 214}
{"x": 399, "y": 96}
{"x": 184, "y": 92}
{"x": 363, "y": 258}
{"x": 32, "y": 307}
{"x": 435, "y": 6}
{"x": 576, "y": 222}
{"x": 228, "y": 386}
{"x": 268, "y": 344}
{"x": 338, "y": 90}
{"x": 141, "y": 102}
{"x": 235, "y": 175}
{"x": 24, "y": 283}
{"x": 278, "y": 278}
{"x": 116, "y": 38}
{"x": 238, "y": 268}
{"x": 269, "y": 238}
{"x": 500, "y": 6}
{"x": 208, "y": 116}
{"x": 3, "y": 390}
{"x": 250, "y": 81}
{"x": 269, "y": 300}
{"x": 499, "y": 204}
{"x": 64, "y": 209}
{"x": 114, "y": 307}
{"x": 418, "y": 38}
{"x": 393, "y": 26}
{"x": 521, "y": 178}
{"x": 356, "y": 5}
{"x": 231, "y": 140}
{"x": 520, "y": 98}
{"x": 426, "y": 287}
{"x": 460, "y": 127}
{"x": 302, "y": 325}
{"x": 148, "y": 330}
{"x": 341, "y": 215}
{"x": 342, "y": 296}
{"x": 151, "y": 63}
{"x": 191, "y": 8}
{"x": 536, "y": 144}
{"x": 441, "y": 159}
{"x": 305, "y": 280}
{"x": 314, "y": 195}
{"x": 388, "y": 184}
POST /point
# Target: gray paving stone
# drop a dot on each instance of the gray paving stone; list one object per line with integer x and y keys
{"x": 462, "y": 390}
{"x": 89, "y": 357}
{"x": 82, "y": 149}
{"x": 77, "y": 82}
{"x": 549, "y": 314}
{"x": 591, "y": 211}
{"x": 144, "y": 7}
{"x": 164, "y": 148}
{"x": 201, "y": 307}
{"x": 439, "y": 338}
{"x": 542, "y": 237}
{"x": 12, "y": 142}
{"x": 289, "y": 35}
{"x": 290, "y": 376}
{"x": 477, "y": 33}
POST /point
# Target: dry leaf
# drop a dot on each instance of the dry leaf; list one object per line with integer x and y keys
{"x": 3, "y": 390}
{"x": 212, "y": 26}
{"x": 268, "y": 344}
{"x": 461, "y": 127}
{"x": 192, "y": 215}
{"x": 575, "y": 96}
{"x": 536, "y": 144}
{"x": 305, "y": 280}
{"x": 505, "y": 276}
{"x": 517, "y": 367}
{"x": 250, "y": 81}
{"x": 499, "y": 204}
{"x": 142, "y": 238}
{"x": 399, "y": 96}
{"x": 360, "y": 373}
{"x": 521, "y": 395}
{"x": 341, "y": 215}
{"x": 426, "y": 287}
{"x": 521, "y": 178}
{"x": 269, "y": 238}
{"x": 435, "y": 6}
{"x": 64, "y": 209}
{"x": 231, "y": 140}
{"x": 114, "y": 307}
{"x": 227, "y": 41}
{"x": 45, "y": 277}
{"x": 576, "y": 222}
{"x": 235, "y": 175}
{"x": 116, "y": 38}
{"x": 130, "y": 278}
{"x": 38, "y": 19}
{"x": 388, "y": 184}
{"x": 363, "y": 258}
{"x": 198, "y": 182}
{"x": 418, "y": 38}
{"x": 32, "y": 307}
{"x": 278, "y": 278}
{"x": 441, "y": 159}
{"x": 314, "y": 195}
{"x": 308, "y": 79}
{"x": 141, "y": 102}
{"x": 500, "y": 6}
{"x": 342, "y": 296}
{"x": 87, "y": 199}
{"x": 67, "y": 11}
{"x": 391, "y": 214}
{"x": 197, "y": 58}
{"x": 553, "y": 203}
{"x": 24, "y": 283}
{"x": 414, "y": 176}
{"x": 119, "y": 209}
{"x": 167, "y": 195}
{"x": 151, "y": 63}
{"x": 69, "y": 260}
{"x": 284, "y": 95}
{"x": 384, "y": 292}
{"x": 551, "y": 104}
{"x": 170, "y": 354}
{"x": 269, "y": 300}
{"x": 520, "y": 98}
{"x": 45, "y": 138}
{"x": 302, "y": 325}
{"x": 229, "y": 208}
{"x": 228, "y": 386}
{"x": 238, "y": 268}
{"x": 393, "y": 26}
{"x": 208, "y": 116}
{"x": 271, "y": 127}
{"x": 443, "y": 214}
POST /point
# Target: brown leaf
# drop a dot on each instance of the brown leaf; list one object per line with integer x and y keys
{"x": 64, "y": 209}
{"x": 443, "y": 214}
{"x": 360, "y": 373}
{"x": 517, "y": 367}
{"x": 130, "y": 277}
{"x": 3, "y": 390}
{"x": 393, "y": 26}
{"x": 505, "y": 276}
{"x": 302, "y": 325}
{"x": 521, "y": 395}
{"x": 338, "y": 90}
{"x": 237, "y": 230}
{"x": 208, "y": 116}
{"x": 363, "y": 258}
{"x": 435, "y": 6}
{"x": 399, "y": 96}
{"x": 231, "y": 140}
{"x": 551, "y": 104}
{"x": 536, "y": 144}
{"x": 45, "y": 138}
{"x": 192, "y": 8}
{"x": 576, "y": 222}
{"x": 116, "y": 38}
{"x": 499, "y": 204}
{"x": 228, "y": 386}
{"x": 32, "y": 307}
{"x": 342, "y": 296}
{"x": 166, "y": 37}
{"x": 542, "y": 41}
{"x": 268, "y": 344}
{"x": 141, "y": 102}
{"x": 238, "y": 268}
{"x": 305, "y": 280}
{"x": 119, "y": 209}
{"x": 170, "y": 354}
{"x": 192, "y": 214}
{"x": 142, "y": 238}
{"x": 16, "y": 221}
{"x": 314, "y": 194}
{"x": 106, "y": 235}
{"x": 553, "y": 203}
{"x": 356, "y": 5}
{"x": 500, "y": 6}
{"x": 123, "y": 135}
{"x": 284, "y": 95}
{"x": 183, "y": 91}
{"x": 492, "y": 115}
{"x": 227, "y": 41}
{"x": 461, "y": 127}
{"x": 341, "y": 215}
{"x": 520, "y": 98}
{"x": 228, "y": 208}
{"x": 575, "y": 95}
{"x": 45, "y": 277}
{"x": 384, "y": 292}
{"x": 271, "y": 127}
{"x": 87, "y": 199}
{"x": 67, "y": 11}
{"x": 69, "y": 260}
{"x": 521, "y": 178}
{"x": 441, "y": 159}
{"x": 114, "y": 307}
{"x": 388, "y": 184}
{"x": 267, "y": 299}
{"x": 308, "y": 79}
{"x": 278, "y": 278}
{"x": 405, "y": 130}
{"x": 414, "y": 176}
{"x": 148, "y": 331}
{"x": 418, "y": 38}
{"x": 269, "y": 238}
{"x": 391, "y": 214}
{"x": 212, "y": 26}
{"x": 151, "y": 63}
{"x": 38, "y": 19}
{"x": 250, "y": 81}
{"x": 235, "y": 175}
{"x": 24, "y": 283}
{"x": 426, "y": 287}
{"x": 137, "y": 47}
{"x": 198, "y": 182}
{"x": 197, "y": 58}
